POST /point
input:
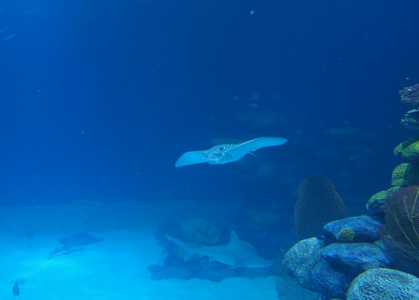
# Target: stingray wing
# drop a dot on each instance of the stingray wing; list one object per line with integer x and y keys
{"x": 222, "y": 154}
{"x": 191, "y": 158}
{"x": 242, "y": 149}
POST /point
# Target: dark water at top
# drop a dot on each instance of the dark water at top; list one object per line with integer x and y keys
{"x": 99, "y": 98}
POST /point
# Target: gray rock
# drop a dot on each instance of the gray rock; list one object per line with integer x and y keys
{"x": 353, "y": 259}
{"x": 367, "y": 229}
{"x": 328, "y": 265}
{"x": 384, "y": 284}
{"x": 305, "y": 263}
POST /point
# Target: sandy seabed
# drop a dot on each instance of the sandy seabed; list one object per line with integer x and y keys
{"x": 115, "y": 268}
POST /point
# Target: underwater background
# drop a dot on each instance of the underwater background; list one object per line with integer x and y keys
{"x": 98, "y": 99}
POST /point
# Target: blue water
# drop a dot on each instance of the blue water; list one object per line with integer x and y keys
{"x": 99, "y": 98}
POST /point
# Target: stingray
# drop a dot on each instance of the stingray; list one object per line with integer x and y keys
{"x": 74, "y": 242}
{"x": 226, "y": 153}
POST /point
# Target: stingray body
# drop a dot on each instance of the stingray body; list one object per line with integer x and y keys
{"x": 235, "y": 254}
{"x": 74, "y": 242}
{"x": 225, "y": 153}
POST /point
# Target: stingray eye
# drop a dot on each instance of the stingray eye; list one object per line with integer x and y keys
{"x": 221, "y": 148}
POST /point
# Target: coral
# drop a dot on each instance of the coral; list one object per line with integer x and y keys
{"x": 317, "y": 204}
{"x": 305, "y": 263}
{"x": 411, "y": 119}
{"x": 327, "y": 267}
{"x": 376, "y": 202}
{"x": 345, "y": 235}
{"x": 408, "y": 150}
{"x": 381, "y": 283}
{"x": 405, "y": 174}
{"x": 366, "y": 229}
{"x": 410, "y": 95}
{"x": 401, "y": 230}
{"x": 396, "y": 222}
{"x": 353, "y": 259}
{"x": 301, "y": 253}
